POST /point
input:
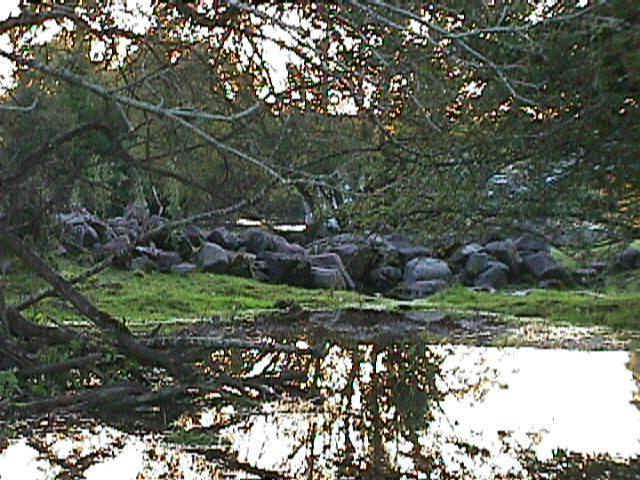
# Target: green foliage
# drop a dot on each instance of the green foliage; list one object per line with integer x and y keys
{"x": 9, "y": 384}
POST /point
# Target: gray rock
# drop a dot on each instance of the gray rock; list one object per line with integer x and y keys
{"x": 384, "y": 278}
{"x": 528, "y": 244}
{"x": 143, "y": 264}
{"x": 327, "y": 278}
{"x": 629, "y": 259}
{"x": 358, "y": 259}
{"x": 212, "y": 258}
{"x": 461, "y": 255}
{"x": 183, "y": 268}
{"x": 476, "y": 263}
{"x": 225, "y": 238}
{"x": 426, "y": 268}
{"x": 241, "y": 264}
{"x": 276, "y": 267}
{"x": 256, "y": 240}
{"x": 333, "y": 261}
{"x": 405, "y": 248}
{"x": 165, "y": 260}
{"x": 543, "y": 266}
{"x": 495, "y": 276}
{"x": 505, "y": 251}
{"x": 417, "y": 289}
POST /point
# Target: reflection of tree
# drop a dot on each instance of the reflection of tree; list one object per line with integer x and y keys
{"x": 634, "y": 365}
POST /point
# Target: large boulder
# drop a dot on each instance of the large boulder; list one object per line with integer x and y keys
{"x": 257, "y": 240}
{"x": 226, "y": 238}
{"x": 629, "y": 259}
{"x": 359, "y": 259}
{"x": 81, "y": 228}
{"x": 212, "y": 258}
{"x": 496, "y": 275}
{"x": 506, "y": 252}
{"x": 327, "y": 278}
{"x": 332, "y": 261}
{"x": 460, "y": 257}
{"x": 288, "y": 268}
{"x": 426, "y": 268}
{"x": 529, "y": 244}
{"x": 544, "y": 267}
{"x": 384, "y": 278}
{"x": 405, "y": 248}
{"x": 476, "y": 263}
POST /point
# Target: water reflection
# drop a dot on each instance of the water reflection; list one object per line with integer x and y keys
{"x": 400, "y": 410}
{"x": 411, "y": 410}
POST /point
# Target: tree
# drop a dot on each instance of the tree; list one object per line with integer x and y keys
{"x": 386, "y": 107}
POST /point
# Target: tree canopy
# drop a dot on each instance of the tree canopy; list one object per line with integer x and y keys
{"x": 457, "y": 114}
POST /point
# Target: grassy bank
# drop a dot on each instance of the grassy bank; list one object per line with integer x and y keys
{"x": 153, "y": 297}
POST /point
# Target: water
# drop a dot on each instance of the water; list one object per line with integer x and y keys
{"x": 371, "y": 411}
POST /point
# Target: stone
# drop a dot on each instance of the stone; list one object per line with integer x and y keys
{"x": 359, "y": 260}
{"x": 333, "y": 261}
{"x": 167, "y": 259}
{"x": 461, "y": 255}
{"x": 543, "y": 266}
{"x": 417, "y": 289}
{"x": 241, "y": 264}
{"x": 225, "y": 238}
{"x": 426, "y": 268}
{"x": 327, "y": 278}
{"x": 495, "y": 276}
{"x": 384, "y": 278}
{"x": 629, "y": 259}
{"x": 506, "y": 252}
{"x": 527, "y": 244}
{"x": 277, "y": 267}
{"x": 183, "y": 268}
{"x": 212, "y": 258}
{"x": 476, "y": 263}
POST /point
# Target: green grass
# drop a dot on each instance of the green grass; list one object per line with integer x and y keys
{"x": 613, "y": 307}
{"x": 153, "y": 297}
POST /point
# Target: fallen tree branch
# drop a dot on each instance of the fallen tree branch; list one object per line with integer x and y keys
{"x": 35, "y": 298}
{"x": 115, "y": 329}
{"x": 81, "y": 362}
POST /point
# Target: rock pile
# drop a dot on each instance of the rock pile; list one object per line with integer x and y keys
{"x": 390, "y": 264}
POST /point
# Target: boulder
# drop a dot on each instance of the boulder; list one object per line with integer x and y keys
{"x": 528, "y": 244}
{"x": 358, "y": 259}
{"x": 166, "y": 260}
{"x": 543, "y": 266}
{"x": 333, "y": 261}
{"x": 212, "y": 258}
{"x": 495, "y": 276}
{"x": 225, "y": 238}
{"x": 459, "y": 258}
{"x": 327, "y": 278}
{"x": 426, "y": 268}
{"x": 629, "y": 259}
{"x": 241, "y": 264}
{"x": 384, "y": 278}
{"x": 288, "y": 268}
{"x": 256, "y": 240}
{"x": 476, "y": 263}
{"x": 417, "y": 289}
{"x": 405, "y": 249}
{"x": 506, "y": 252}
{"x": 143, "y": 264}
